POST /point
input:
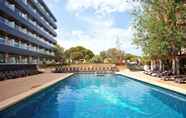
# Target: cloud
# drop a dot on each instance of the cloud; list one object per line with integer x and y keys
{"x": 100, "y": 39}
{"x": 102, "y": 6}
{"x": 101, "y": 32}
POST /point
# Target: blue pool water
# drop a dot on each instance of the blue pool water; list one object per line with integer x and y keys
{"x": 109, "y": 96}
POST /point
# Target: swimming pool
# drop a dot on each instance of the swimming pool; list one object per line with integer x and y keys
{"x": 108, "y": 96}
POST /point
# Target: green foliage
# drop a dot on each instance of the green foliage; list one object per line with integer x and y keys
{"x": 145, "y": 60}
{"x": 114, "y": 54}
{"x": 59, "y": 53}
{"x": 97, "y": 59}
{"x": 158, "y": 31}
{"x": 131, "y": 57}
{"x": 103, "y": 54}
{"x": 75, "y": 54}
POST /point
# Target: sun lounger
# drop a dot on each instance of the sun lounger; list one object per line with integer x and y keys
{"x": 180, "y": 79}
{"x": 166, "y": 78}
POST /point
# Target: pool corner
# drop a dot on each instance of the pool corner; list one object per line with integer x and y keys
{"x": 17, "y": 98}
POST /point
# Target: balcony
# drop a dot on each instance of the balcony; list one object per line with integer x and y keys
{"x": 43, "y": 12}
{"x": 50, "y": 29}
{"x": 26, "y": 22}
{"x": 21, "y": 51}
{"x": 16, "y": 32}
{"x": 34, "y": 14}
{"x": 7, "y": 45}
{"x": 44, "y": 5}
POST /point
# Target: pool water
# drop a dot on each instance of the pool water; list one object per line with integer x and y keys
{"x": 109, "y": 96}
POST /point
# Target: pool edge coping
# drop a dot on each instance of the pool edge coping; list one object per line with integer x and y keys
{"x": 18, "y": 98}
{"x": 156, "y": 83}
{"x": 22, "y": 96}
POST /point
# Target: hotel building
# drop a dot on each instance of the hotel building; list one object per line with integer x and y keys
{"x": 27, "y": 32}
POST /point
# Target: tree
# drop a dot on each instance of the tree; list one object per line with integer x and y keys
{"x": 116, "y": 55}
{"x": 97, "y": 59}
{"x": 76, "y": 54}
{"x": 59, "y": 53}
{"x": 158, "y": 32}
{"x": 131, "y": 57}
{"x": 103, "y": 54}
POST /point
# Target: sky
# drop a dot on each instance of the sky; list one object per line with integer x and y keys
{"x": 95, "y": 24}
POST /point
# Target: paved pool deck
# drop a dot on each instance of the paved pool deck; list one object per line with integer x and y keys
{"x": 170, "y": 85}
{"x": 15, "y": 90}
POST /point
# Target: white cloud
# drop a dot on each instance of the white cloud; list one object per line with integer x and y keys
{"x": 102, "y": 6}
{"x": 98, "y": 21}
{"x": 101, "y": 32}
{"x": 100, "y": 39}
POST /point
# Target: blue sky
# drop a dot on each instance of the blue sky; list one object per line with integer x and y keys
{"x": 94, "y": 24}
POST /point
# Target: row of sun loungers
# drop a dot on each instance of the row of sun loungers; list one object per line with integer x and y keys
{"x": 66, "y": 69}
{"x": 167, "y": 76}
{"x": 158, "y": 74}
{"x": 16, "y": 71}
{"x": 176, "y": 78}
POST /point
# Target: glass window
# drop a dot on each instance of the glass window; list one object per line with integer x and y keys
{"x": 12, "y": 60}
{"x": 10, "y": 41}
{"x": 16, "y": 44}
{"x": 2, "y": 58}
{"x": 2, "y": 37}
{"x": 24, "y": 60}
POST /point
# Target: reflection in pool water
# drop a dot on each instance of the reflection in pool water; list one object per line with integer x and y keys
{"x": 91, "y": 96}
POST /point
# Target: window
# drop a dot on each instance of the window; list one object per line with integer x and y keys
{"x": 25, "y": 1}
{"x": 2, "y": 58}
{"x": 11, "y": 6}
{"x": 10, "y": 41}
{"x": 16, "y": 44}
{"x": 2, "y": 37}
{"x": 12, "y": 59}
{"x": 24, "y": 60}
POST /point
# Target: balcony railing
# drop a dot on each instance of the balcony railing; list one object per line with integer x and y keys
{"x": 23, "y": 30}
{"x": 22, "y": 46}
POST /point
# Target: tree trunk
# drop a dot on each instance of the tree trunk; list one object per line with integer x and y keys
{"x": 174, "y": 66}
{"x": 163, "y": 65}
{"x": 151, "y": 65}
{"x": 160, "y": 65}
{"x": 177, "y": 66}
{"x": 155, "y": 65}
